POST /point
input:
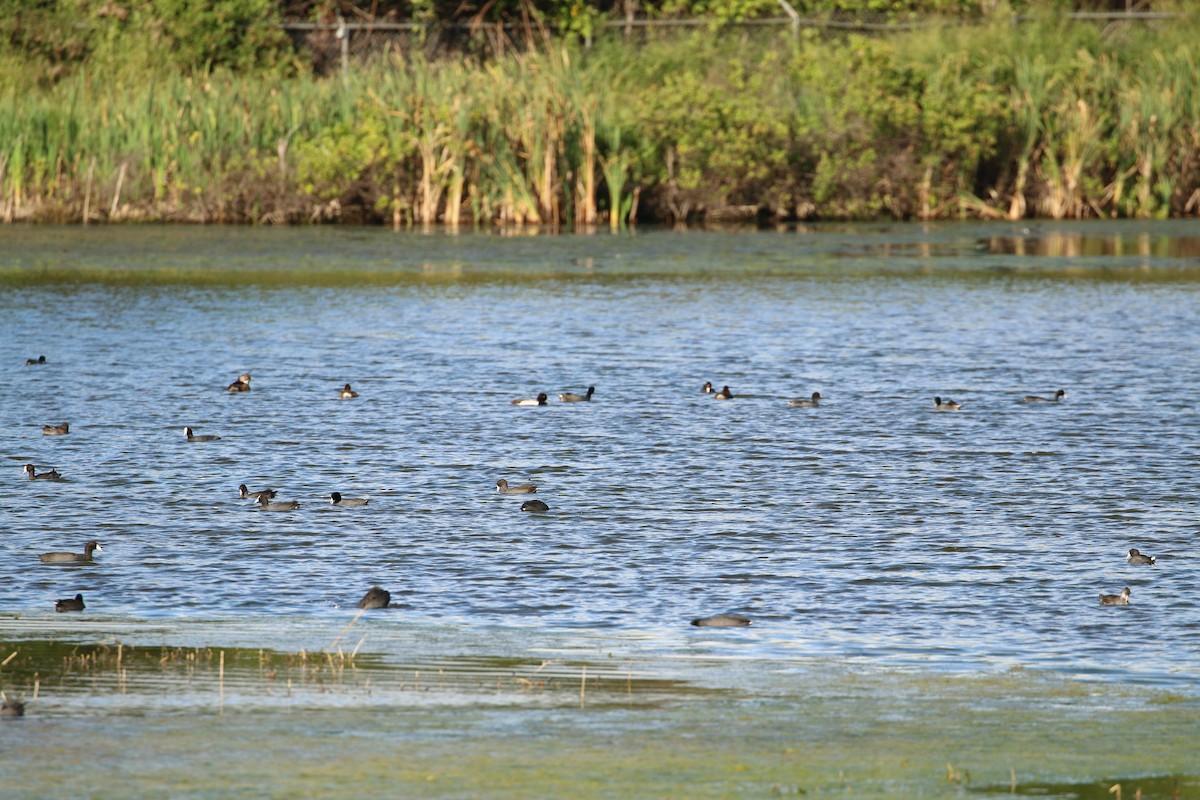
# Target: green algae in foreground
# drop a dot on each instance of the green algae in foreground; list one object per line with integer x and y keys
{"x": 205, "y": 722}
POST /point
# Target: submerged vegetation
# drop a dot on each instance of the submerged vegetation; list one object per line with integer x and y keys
{"x": 984, "y": 118}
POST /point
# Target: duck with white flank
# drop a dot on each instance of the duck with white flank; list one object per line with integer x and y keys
{"x": 529, "y": 401}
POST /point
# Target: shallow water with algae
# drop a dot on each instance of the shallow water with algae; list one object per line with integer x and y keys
{"x": 872, "y": 533}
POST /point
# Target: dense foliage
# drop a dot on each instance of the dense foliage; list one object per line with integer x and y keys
{"x": 1045, "y": 118}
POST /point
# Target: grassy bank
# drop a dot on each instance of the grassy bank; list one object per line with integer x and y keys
{"x": 1042, "y": 119}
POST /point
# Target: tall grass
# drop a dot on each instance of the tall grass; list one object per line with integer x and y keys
{"x": 1044, "y": 119}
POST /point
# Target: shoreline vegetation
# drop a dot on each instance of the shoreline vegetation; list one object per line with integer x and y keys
{"x": 976, "y": 118}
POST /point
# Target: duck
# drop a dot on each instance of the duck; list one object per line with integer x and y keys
{"x": 528, "y": 401}
{"x": 70, "y": 604}
{"x": 347, "y": 392}
{"x": 73, "y": 558}
{"x": 707, "y": 388}
{"x": 11, "y": 706}
{"x": 375, "y": 598}
{"x": 242, "y": 384}
{"x": 56, "y": 430}
{"x": 265, "y": 504}
{"x": 1136, "y": 557}
{"x": 1121, "y": 599}
{"x": 534, "y": 505}
{"x": 569, "y": 397}
{"x": 812, "y": 402}
{"x": 246, "y": 494}
{"x": 723, "y": 621}
{"x": 945, "y": 405}
{"x": 33, "y": 474}
{"x": 32, "y": 362}
{"x": 337, "y": 499}
{"x": 1033, "y": 398}
{"x": 524, "y": 488}
{"x": 724, "y": 394}
{"x": 191, "y": 437}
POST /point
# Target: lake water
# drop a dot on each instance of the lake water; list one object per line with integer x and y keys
{"x": 873, "y": 530}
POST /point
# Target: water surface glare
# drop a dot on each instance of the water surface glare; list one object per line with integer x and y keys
{"x": 872, "y": 529}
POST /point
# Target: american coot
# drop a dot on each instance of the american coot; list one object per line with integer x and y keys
{"x": 1135, "y": 557}
{"x": 812, "y": 402}
{"x": 722, "y": 621}
{"x": 945, "y": 405}
{"x": 11, "y": 706}
{"x": 568, "y": 397}
{"x": 56, "y": 430}
{"x": 266, "y": 504}
{"x": 337, "y": 499}
{"x": 246, "y": 494}
{"x": 29, "y": 362}
{"x": 724, "y": 394}
{"x": 707, "y": 388}
{"x": 1033, "y": 398}
{"x": 525, "y": 488}
{"x": 33, "y": 474}
{"x": 347, "y": 392}
{"x": 1121, "y": 599}
{"x": 527, "y": 401}
{"x": 69, "y": 604}
{"x": 242, "y": 384}
{"x": 73, "y": 558}
{"x": 375, "y": 598}
{"x": 191, "y": 437}
{"x": 534, "y": 505}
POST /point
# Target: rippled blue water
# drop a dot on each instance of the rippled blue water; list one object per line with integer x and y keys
{"x": 871, "y": 528}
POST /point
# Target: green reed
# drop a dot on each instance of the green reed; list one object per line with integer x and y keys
{"x": 1041, "y": 119}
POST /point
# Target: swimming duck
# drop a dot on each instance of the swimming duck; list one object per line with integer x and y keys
{"x": 375, "y": 598}
{"x": 11, "y": 706}
{"x": 707, "y": 388}
{"x": 568, "y": 397}
{"x": 813, "y": 402}
{"x": 72, "y": 558}
{"x": 724, "y": 394}
{"x": 191, "y": 437}
{"x": 265, "y": 504}
{"x": 30, "y": 362}
{"x": 56, "y": 430}
{"x": 1121, "y": 599}
{"x": 524, "y": 488}
{"x": 945, "y": 405}
{"x": 534, "y": 505}
{"x": 33, "y": 475}
{"x": 1033, "y": 398}
{"x": 526, "y": 401}
{"x": 70, "y": 604}
{"x": 338, "y": 500}
{"x": 722, "y": 621}
{"x": 246, "y": 494}
{"x": 242, "y": 384}
{"x": 347, "y": 392}
{"x": 1135, "y": 557}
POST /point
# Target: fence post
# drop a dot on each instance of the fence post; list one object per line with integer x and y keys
{"x": 343, "y": 36}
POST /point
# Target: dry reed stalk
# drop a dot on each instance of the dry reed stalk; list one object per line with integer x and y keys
{"x": 221, "y": 684}
{"x": 349, "y": 625}
{"x": 583, "y": 686}
{"x": 87, "y": 194}
{"x": 11, "y": 656}
{"x": 112, "y": 210}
